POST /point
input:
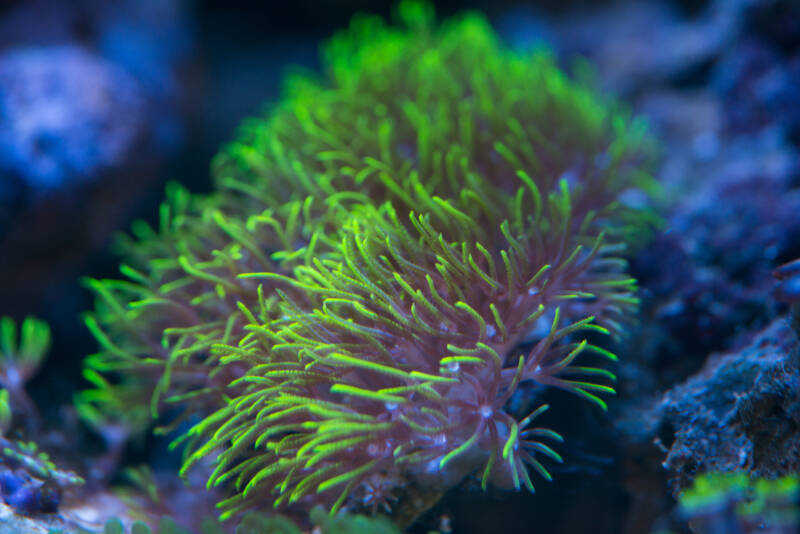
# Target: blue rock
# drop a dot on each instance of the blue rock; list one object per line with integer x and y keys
{"x": 65, "y": 116}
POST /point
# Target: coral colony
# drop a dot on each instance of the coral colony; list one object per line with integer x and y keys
{"x": 29, "y": 481}
{"x": 736, "y": 503}
{"x": 400, "y": 246}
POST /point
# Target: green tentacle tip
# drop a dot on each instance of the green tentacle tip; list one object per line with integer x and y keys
{"x": 22, "y": 349}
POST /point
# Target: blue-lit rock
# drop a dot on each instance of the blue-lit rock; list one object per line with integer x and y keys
{"x": 65, "y": 115}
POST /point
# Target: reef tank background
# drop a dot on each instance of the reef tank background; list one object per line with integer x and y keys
{"x": 101, "y": 105}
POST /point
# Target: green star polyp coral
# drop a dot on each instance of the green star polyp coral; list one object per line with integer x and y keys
{"x": 394, "y": 251}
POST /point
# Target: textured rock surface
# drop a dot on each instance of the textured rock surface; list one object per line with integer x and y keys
{"x": 741, "y": 411}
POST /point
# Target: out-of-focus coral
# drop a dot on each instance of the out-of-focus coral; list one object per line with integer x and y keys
{"x": 20, "y": 359}
{"x": 733, "y": 503}
{"x": 29, "y": 481}
{"x": 5, "y": 411}
{"x": 115, "y": 411}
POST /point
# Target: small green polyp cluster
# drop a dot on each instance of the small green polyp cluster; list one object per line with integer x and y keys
{"x": 20, "y": 359}
{"x": 345, "y": 313}
{"x": 22, "y": 352}
{"x": 742, "y": 503}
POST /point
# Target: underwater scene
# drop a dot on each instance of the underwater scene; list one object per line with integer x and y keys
{"x": 400, "y": 266}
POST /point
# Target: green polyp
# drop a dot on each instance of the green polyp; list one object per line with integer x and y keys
{"x": 378, "y": 248}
